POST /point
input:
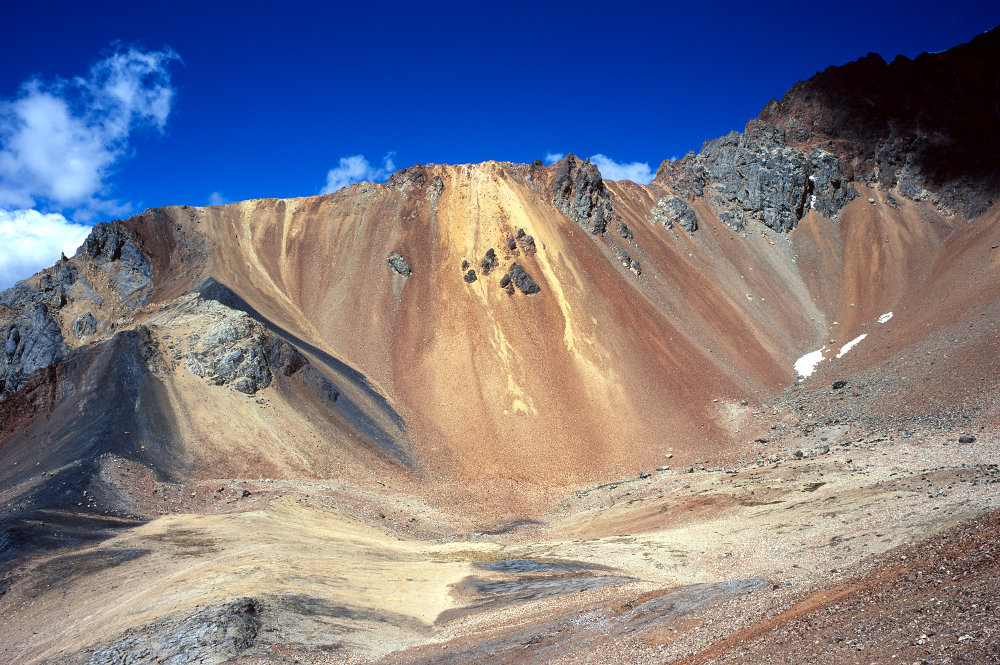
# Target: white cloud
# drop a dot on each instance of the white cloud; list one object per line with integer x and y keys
{"x": 59, "y": 140}
{"x": 217, "y": 199}
{"x": 357, "y": 169}
{"x": 31, "y": 240}
{"x": 638, "y": 172}
{"x": 553, "y": 157}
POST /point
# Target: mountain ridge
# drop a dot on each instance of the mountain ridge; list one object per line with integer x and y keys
{"x": 281, "y": 405}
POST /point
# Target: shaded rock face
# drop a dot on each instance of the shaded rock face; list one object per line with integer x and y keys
{"x": 672, "y": 210}
{"x": 579, "y": 192}
{"x": 32, "y": 342}
{"x": 128, "y": 268}
{"x": 756, "y": 175}
{"x": 232, "y": 351}
{"x": 927, "y": 125}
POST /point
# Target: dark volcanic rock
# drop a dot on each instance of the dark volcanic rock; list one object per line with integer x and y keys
{"x": 624, "y": 231}
{"x": 522, "y": 280}
{"x": 756, "y": 175}
{"x": 488, "y": 262}
{"x": 579, "y": 192}
{"x": 927, "y": 125}
{"x": 399, "y": 264}
{"x": 470, "y": 276}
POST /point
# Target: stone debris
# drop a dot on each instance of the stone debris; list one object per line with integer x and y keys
{"x": 399, "y": 264}
{"x": 522, "y": 280}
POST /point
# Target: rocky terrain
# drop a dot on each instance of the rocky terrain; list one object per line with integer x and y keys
{"x": 520, "y": 413}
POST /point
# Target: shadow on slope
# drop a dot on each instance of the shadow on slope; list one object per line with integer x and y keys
{"x": 364, "y": 408}
{"x": 116, "y": 409}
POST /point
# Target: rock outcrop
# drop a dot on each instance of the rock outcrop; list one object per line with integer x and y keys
{"x": 522, "y": 280}
{"x": 113, "y": 249}
{"x": 32, "y": 342}
{"x": 399, "y": 264}
{"x": 579, "y": 192}
{"x": 927, "y": 126}
{"x": 756, "y": 176}
{"x": 924, "y": 127}
{"x": 232, "y": 350}
{"x": 671, "y": 210}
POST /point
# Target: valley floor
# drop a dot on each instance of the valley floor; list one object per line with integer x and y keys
{"x": 869, "y": 548}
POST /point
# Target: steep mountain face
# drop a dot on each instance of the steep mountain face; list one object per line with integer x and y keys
{"x": 924, "y": 128}
{"x": 483, "y": 338}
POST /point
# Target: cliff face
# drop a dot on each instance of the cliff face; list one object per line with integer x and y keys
{"x": 926, "y": 129}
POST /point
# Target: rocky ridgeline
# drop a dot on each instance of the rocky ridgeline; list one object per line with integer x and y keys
{"x": 927, "y": 126}
{"x": 578, "y": 191}
{"x": 924, "y": 128}
{"x": 110, "y": 246}
{"x": 755, "y": 176}
{"x": 30, "y": 314}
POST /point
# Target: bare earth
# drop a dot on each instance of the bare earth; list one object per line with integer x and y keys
{"x": 619, "y": 468}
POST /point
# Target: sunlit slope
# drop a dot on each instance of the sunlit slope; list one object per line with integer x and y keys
{"x": 602, "y": 370}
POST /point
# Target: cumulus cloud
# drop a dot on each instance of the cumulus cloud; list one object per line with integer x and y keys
{"x": 638, "y": 172}
{"x": 60, "y": 139}
{"x": 217, "y": 199}
{"x": 553, "y": 157}
{"x": 30, "y": 241}
{"x": 357, "y": 169}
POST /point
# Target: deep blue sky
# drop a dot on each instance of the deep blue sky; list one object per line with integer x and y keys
{"x": 271, "y": 95}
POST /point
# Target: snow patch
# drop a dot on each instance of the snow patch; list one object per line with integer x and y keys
{"x": 806, "y": 365}
{"x": 812, "y": 201}
{"x": 850, "y": 345}
{"x": 885, "y": 317}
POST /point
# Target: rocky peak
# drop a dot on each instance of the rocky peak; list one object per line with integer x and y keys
{"x": 927, "y": 126}
{"x": 579, "y": 192}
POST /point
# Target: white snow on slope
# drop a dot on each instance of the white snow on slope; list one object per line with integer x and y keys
{"x": 806, "y": 365}
{"x": 850, "y": 345}
{"x": 885, "y": 317}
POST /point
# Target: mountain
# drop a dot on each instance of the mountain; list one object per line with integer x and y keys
{"x": 405, "y": 417}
